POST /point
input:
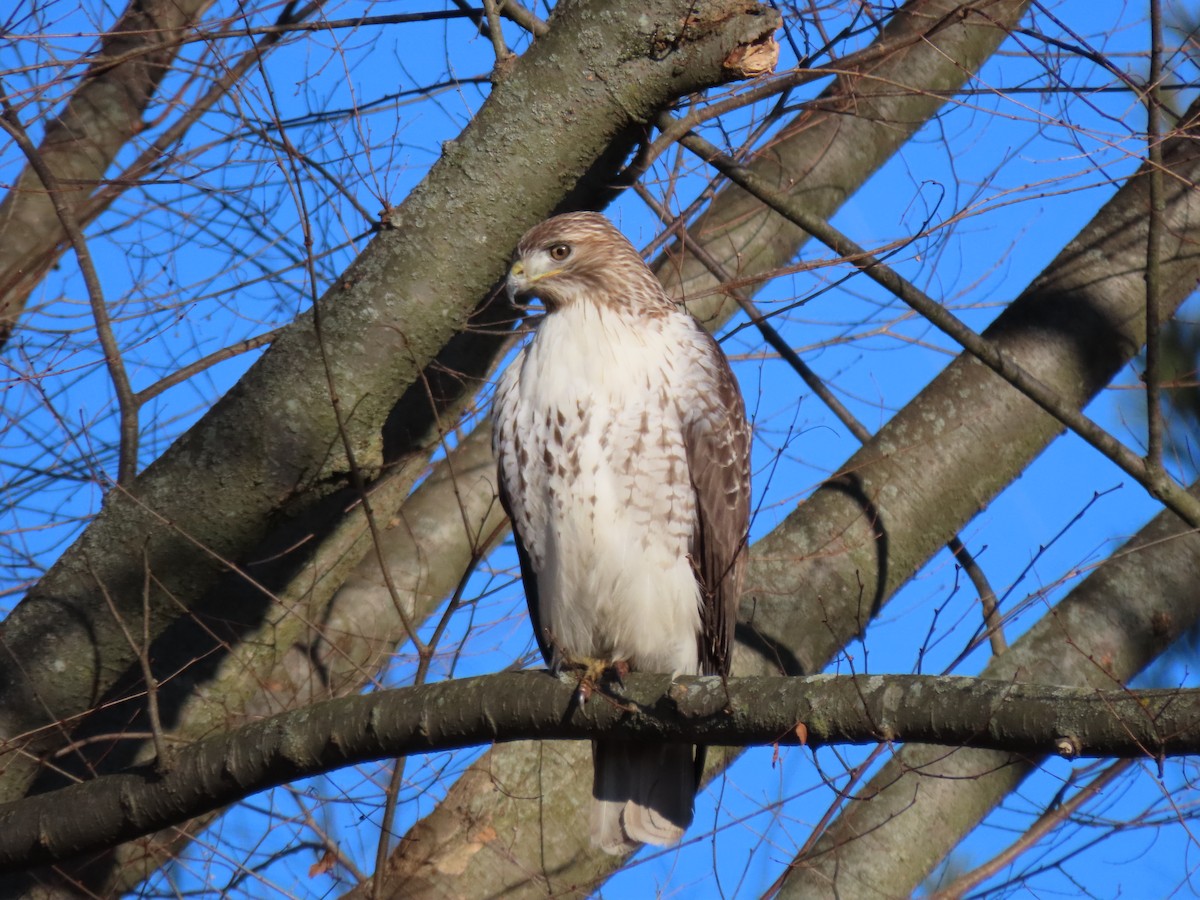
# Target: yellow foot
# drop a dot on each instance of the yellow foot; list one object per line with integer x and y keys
{"x": 593, "y": 671}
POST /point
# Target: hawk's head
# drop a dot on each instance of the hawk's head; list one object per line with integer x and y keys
{"x": 581, "y": 257}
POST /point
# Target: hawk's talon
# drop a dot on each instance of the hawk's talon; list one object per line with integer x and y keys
{"x": 593, "y": 672}
{"x": 583, "y": 693}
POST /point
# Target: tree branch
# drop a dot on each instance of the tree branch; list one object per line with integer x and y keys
{"x": 127, "y": 402}
{"x": 1153, "y": 374}
{"x": 1017, "y": 718}
{"x": 1045, "y": 825}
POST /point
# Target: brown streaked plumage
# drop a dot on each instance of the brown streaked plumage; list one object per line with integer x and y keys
{"x": 623, "y": 452}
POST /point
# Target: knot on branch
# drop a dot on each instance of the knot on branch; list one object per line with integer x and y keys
{"x": 753, "y": 59}
{"x": 1068, "y": 746}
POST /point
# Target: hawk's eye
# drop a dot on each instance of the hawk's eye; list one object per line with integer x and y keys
{"x": 559, "y": 252}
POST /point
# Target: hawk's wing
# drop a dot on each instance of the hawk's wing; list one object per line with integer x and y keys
{"x": 506, "y": 445}
{"x": 718, "y": 451}
{"x": 528, "y": 576}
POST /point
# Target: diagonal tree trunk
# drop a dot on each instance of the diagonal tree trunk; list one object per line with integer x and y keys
{"x": 274, "y": 446}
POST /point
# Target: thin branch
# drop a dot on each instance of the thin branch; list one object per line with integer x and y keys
{"x": 291, "y": 22}
{"x": 987, "y": 596}
{"x": 515, "y": 12}
{"x": 1046, "y": 823}
{"x": 1154, "y": 232}
{"x": 161, "y": 760}
{"x": 331, "y": 178}
{"x": 768, "y": 332}
{"x": 383, "y": 846}
{"x": 1157, "y": 483}
{"x": 194, "y": 368}
{"x": 127, "y": 402}
{"x": 332, "y": 848}
{"x": 142, "y": 652}
{"x": 503, "y": 54}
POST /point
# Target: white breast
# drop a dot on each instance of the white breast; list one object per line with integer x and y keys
{"x": 604, "y": 503}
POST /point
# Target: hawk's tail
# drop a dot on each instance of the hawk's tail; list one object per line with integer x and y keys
{"x": 642, "y": 794}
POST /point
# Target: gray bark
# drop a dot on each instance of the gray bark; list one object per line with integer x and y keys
{"x": 273, "y": 448}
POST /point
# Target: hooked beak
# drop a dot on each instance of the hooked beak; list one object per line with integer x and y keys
{"x": 515, "y": 285}
{"x": 520, "y": 282}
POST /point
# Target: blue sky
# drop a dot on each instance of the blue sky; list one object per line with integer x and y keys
{"x": 208, "y": 253}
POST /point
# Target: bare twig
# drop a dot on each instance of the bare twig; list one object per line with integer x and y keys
{"x": 290, "y": 22}
{"x": 194, "y": 368}
{"x": 1153, "y": 374}
{"x": 1157, "y": 483}
{"x": 987, "y": 597}
{"x": 524, "y": 17}
{"x": 142, "y": 652}
{"x": 503, "y": 54}
{"x": 1046, "y": 823}
{"x": 331, "y": 846}
{"x": 127, "y": 402}
{"x": 161, "y": 760}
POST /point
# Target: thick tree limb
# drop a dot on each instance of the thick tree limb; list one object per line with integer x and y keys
{"x": 1017, "y": 718}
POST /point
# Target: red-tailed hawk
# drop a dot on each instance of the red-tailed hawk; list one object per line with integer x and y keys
{"x": 624, "y": 465}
